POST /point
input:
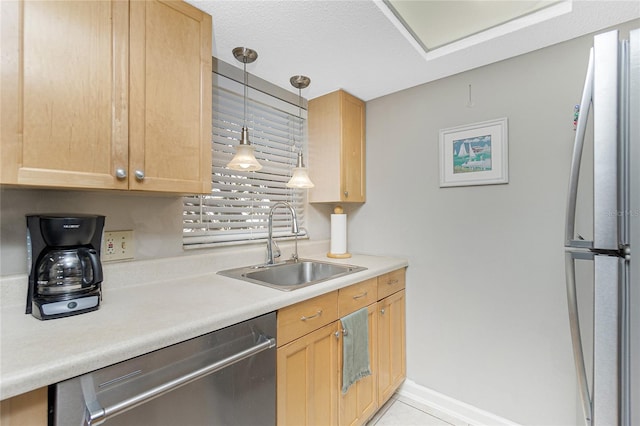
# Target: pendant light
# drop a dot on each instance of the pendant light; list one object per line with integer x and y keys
{"x": 244, "y": 160}
{"x": 300, "y": 178}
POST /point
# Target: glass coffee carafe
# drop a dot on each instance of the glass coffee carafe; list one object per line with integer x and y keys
{"x": 69, "y": 271}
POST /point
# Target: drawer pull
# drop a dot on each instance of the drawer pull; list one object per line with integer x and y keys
{"x": 392, "y": 282}
{"x": 317, "y": 314}
{"x": 360, "y": 296}
{"x": 382, "y": 311}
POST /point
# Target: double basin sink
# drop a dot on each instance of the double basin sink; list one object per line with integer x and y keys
{"x": 291, "y": 274}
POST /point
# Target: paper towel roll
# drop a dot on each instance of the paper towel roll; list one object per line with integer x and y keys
{"x": 338, "y": 234}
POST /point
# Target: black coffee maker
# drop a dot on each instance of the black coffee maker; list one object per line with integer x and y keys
{"x": 65, "y": 270}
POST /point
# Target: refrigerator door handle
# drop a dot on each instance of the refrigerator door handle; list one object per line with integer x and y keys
{"x": 585, "y": 105}
{"x": 576, "y": 338}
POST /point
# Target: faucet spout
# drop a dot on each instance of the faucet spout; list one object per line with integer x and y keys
{"x": 272, "y": 248}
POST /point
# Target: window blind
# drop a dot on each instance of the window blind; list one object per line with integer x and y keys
{"x": 237, "y": 209}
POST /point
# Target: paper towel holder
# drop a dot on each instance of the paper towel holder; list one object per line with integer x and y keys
{"x": 339, "y": 255}
{"x": 338, "y": 230}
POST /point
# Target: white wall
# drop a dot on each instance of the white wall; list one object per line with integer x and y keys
{"x": 486, "y": 305}
{"x": 155, "y": 219}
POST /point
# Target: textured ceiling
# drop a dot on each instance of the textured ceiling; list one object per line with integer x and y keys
{"x": 361, "y": 47}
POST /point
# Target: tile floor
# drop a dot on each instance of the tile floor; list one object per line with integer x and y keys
{"x": 400, "y": 411}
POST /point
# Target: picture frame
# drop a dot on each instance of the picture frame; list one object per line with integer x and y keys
{"x": 475, "y": 154}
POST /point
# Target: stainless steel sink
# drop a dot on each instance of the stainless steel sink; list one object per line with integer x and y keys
{"x": 291, "y": 274}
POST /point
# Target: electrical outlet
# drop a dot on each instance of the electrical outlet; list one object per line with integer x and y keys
{"x": 117, "y": 245}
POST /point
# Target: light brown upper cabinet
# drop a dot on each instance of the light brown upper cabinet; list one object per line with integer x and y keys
{"x": 337, "y": 148}
{"x": 106, "y": 95}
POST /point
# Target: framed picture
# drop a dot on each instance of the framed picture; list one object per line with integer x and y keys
{"x": 475, "y": 154}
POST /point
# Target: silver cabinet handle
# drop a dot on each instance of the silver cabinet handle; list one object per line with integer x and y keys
{"x": 360, "y": 296}
{"x": 346, "y": 194}
{"x": 316, "y": 315}
{"x": 344, "y": 333}
{"x": 97, "y": 414}
{"x": 392, "y": 282}
{"x": 121, "y": 173}
{"x": 382, "y": 311}
{"x": 139, "y": 174}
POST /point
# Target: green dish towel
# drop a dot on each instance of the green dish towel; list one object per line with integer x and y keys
{"x": 355, "y": 348}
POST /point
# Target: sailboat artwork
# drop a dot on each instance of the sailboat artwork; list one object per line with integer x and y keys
{"x": 475, "y": 154}
{"x": 472, "y": 154}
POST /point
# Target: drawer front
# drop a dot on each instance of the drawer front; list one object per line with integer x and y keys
{"x": 357, "y": 296}
{"x": 390, "y": 283}
{"x": 297, "y": 320}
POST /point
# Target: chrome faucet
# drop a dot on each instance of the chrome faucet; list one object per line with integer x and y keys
{"x": 273, "y": 251}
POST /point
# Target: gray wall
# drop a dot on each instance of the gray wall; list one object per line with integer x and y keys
{"x": 487, "y": 319}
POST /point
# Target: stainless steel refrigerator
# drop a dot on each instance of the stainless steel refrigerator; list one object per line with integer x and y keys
{"x": 607, "y": 348}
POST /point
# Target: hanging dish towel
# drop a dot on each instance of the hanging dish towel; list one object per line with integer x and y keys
{"x": 355, "y": 348}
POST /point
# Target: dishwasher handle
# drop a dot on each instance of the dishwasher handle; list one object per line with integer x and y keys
{"x": 96, "y": 414}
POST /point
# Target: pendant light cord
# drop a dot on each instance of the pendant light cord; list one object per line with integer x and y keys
{"x": 246, "y": 82}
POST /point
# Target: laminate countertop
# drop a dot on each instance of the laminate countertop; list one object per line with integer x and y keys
{"x": 147, "y": 305}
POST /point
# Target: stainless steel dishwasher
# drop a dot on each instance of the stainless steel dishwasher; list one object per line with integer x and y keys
{"x": 222, "y": 378}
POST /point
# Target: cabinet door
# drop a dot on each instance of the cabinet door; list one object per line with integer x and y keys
{"x": 361, "y": 400}
{"x": 391, "y": 345}
{"x": 307, "y": 376}
{"x": 325, "y": 132}
{"x": 26, "y": 409}
{"x": 337, "y": 148}
{"x": 64, "y": 71}
{"x": 170, "y": 97}
{"x": 352, "y": 169}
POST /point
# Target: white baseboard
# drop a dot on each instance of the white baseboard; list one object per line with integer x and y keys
{"x": 458, "y": 410}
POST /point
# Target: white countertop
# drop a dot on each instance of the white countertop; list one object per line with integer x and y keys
{"x": 134, "y": 319}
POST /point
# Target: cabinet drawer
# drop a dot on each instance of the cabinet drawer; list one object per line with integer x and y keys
{"x": 357, "y": 296}
{"x": 304, "y": 317}
{"x": 391, "y": 282}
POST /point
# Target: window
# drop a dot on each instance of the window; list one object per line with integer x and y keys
{"x": 237, "y": 209}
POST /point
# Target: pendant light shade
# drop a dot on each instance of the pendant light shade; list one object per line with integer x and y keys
{"x": 300, "y": 178}
{"x": 244, "y": 160}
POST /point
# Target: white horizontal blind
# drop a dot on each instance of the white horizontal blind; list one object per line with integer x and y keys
{"x": 238, "y": 207}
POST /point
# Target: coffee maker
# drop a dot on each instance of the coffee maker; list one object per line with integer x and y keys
{"x": 64, "y": 258}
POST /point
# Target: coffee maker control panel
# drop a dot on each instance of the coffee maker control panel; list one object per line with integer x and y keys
{"x": 69, "y": 307}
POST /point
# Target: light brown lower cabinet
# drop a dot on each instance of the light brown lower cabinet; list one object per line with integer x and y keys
{"x": 361, "y": 400}
{"x": 28, "y": 409}
{"x": 307, "y": 378}
{"x": 309, "y": 375}
{"x": 392, "y": 368}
